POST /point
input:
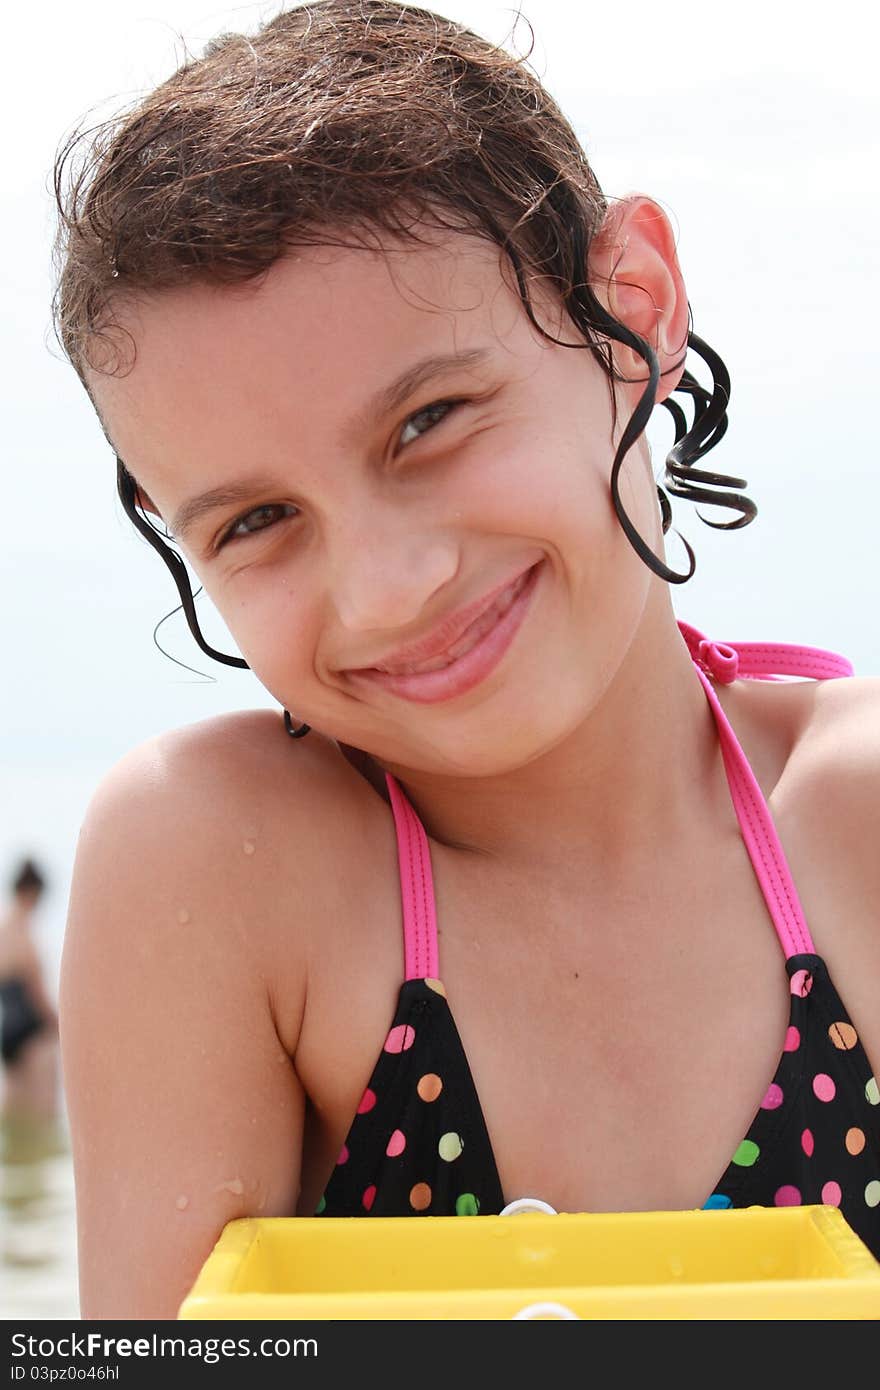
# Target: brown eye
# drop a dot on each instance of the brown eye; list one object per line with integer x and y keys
{"x": 259, "y": 519}
{"x": 430, "y": 416}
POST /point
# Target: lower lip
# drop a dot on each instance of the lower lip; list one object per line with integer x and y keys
{"x": 430, "y": 687}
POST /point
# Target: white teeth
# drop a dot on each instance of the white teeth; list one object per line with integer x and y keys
{"x": 478, "y": 629}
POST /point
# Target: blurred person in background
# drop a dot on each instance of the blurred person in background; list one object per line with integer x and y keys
{"x": 28, "y": 1018}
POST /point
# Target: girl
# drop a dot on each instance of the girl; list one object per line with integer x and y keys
{"x": 375, "y": 355}
{"x": 28, "y": 1020}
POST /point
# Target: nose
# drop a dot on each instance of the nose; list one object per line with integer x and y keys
{"x": 384, "y": 577}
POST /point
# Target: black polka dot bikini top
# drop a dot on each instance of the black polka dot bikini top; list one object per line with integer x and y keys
{"x": 418, "y": 1144}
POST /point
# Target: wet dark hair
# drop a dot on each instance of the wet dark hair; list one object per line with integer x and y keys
{"x": 27, "y": 878}
{"x": 336, "y": 122}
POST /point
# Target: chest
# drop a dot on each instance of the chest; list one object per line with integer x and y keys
{"x": 623, "y": 1046}
{"x": 619, "y": 1043}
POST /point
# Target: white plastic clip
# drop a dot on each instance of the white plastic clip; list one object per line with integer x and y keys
{"x": 546, "y": 1310}
{"x": 528, "y": 1204}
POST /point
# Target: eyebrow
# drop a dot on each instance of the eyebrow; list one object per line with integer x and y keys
{"x": 385, "y": 401}
{"x": 390, "y": 398}
{"x": 227, "y": 495}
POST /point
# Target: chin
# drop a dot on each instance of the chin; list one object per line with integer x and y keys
{"x": 500, "y": 753}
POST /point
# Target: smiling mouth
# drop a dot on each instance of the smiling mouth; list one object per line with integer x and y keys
{"x": 469, "y": 660}
{"x": 468, "y": 639}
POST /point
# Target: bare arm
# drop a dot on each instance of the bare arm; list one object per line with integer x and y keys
{"x": 185, "y": 1109}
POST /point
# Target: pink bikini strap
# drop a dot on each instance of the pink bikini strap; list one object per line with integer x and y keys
{"x": 723, "y": 662}
{"x": 416, "y": 889}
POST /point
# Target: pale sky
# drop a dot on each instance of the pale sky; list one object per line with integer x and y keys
{"x": 755, "y": 126}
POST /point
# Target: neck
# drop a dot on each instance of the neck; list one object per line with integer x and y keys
{"x": 629, "y": 779}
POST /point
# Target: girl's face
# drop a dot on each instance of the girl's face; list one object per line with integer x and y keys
{"x": 364, "y": 443}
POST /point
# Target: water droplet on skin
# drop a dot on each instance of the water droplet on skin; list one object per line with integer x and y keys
{"x": 249, "y": 847}
{"x": 182, "y": 1203}
{"x": 235, "y": 1186}
{"x": 182, "y": 916}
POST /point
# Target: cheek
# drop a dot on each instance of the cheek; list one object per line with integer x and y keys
{"x": 551, "y": 485}
{"x": 545, "y": 454}
{"x": 270, "y": 628}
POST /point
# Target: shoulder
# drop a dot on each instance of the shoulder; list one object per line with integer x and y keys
{"x": 228, "y": 793}
{"x": 214, "y": 838}
{"x": 234, "y": 762}
{"x": 812, "y": 740}
{"x": 814, "y": 747}
{"x": 833, "y": 780}
{"x": 836, "y": 760}
{"x": 836, "y": 767}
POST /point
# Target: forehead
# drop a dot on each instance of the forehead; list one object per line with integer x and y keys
{"x": 338, "y": 320}
{"x": 279, "y": 379}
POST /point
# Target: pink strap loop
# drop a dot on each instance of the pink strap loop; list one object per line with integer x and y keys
{"x": 720, "y": 660}
{"x": 416, "y": 889}
{"x": 725, "y": 661}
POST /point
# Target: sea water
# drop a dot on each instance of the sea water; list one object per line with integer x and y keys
{"x": 38, "y": 1277}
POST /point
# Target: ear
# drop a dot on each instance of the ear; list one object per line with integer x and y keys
{"x": 634, "y": 272}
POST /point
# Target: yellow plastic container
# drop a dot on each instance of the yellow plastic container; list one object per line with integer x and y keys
{"x": 791, "y": 1262}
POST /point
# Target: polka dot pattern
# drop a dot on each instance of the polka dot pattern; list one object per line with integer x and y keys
{"x": 746, "y": 1154}
{"x": 367, "y": 1101}
{"x": 815, "y": 1139}
{"x": 855, "y": 1140}
{"x": 450, "y": 1147}
{"x": 773, "y": 1098}
{"x": 400, "y": 1039}
{"x": 823, "y": 1087}
{"x": 396, "y": 1144}
{"x": 420, "y": 1196}
{"x": 843, "y": 1036}
{"x": 429, "y": 1087}
{"x": 801, "y": 983}
{"x": 418, "y": 1145}
{"x": 787, "y": 1196}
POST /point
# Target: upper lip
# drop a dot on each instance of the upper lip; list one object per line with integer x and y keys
{"x": 447, "y": 633}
